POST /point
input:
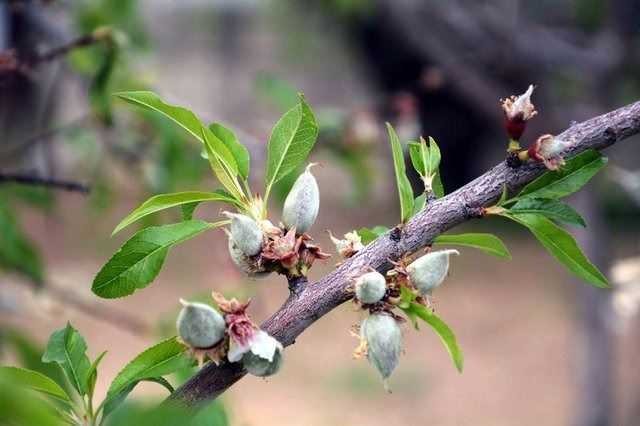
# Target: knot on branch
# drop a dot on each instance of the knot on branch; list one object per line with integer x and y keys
{"x": 297, "y": 284}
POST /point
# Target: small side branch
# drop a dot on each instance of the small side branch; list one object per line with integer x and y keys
{"x": 65, "y": 185}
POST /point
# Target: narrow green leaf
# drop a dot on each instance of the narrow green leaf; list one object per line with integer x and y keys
{"x": 160, "y": 360}
{"x": 240, "y": 152}
{"x": 68, "y": 348}
{"x": 437, "y": 186}
{"x": 415, "y": 153}
{"x": 291, "y": 140}
{"x": 570, "y": 178}
{"x": 114, "y": 401}
{"x": 434, "y": 156}
{"x": 553, "y": 209}
{"x": 222, "y": 163}
{"x": 442, "y": 330}
{"x": 92, "y": 375}
{"x": 369, "y": 234}
{"x": 166, "y": 201}
{"x": 488, "y": 243}
{"x": 561, "y": 245}
{"x": 139, "y": 260}
{"x": 33, "y": 380}
{"x": 152, "y": 102}
{"x": 402, "y": 182}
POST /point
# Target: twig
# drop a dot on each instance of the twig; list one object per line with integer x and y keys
{"x": 65, "y": 185}
{"x": 315, "y": 300}
{"x": 11, "y": 62}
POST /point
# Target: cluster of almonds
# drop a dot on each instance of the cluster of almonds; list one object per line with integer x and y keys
{"x": 547, "y": 149}
{"x": 258, "y": 247}
{"x": 229, "y": 334}
{"x": 380, "y": 335}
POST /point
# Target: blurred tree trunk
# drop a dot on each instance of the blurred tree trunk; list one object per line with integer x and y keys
{"x": 595, "y": 349}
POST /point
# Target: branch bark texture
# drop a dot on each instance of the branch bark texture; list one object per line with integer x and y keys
{"x": 312, "y": 301}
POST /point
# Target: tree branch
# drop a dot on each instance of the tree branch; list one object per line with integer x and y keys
{"x": 24, "y": 179}
{"x": 304, "y": 307}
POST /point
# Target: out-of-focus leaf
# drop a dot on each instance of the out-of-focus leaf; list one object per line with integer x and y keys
{"x": 18, "y": 407}
{"x": 405, "y": 192}
{"x": 139, "y": 260}
{"x": 17, "y": 252}
{"x": 166, "y": 201}
{"x": 488, "y": 243}
{"x": 291, "y": 140}
{"x": 276, "y": 90}
{"x": 99, "y": 93}
{"x": 30, "y": 379}
{"x": 67, "y": 348}
{"x": 561, "y": 245}
{"x": 553, "y": 209}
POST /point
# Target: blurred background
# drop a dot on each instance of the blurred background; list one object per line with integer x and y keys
{"x": 540, "y": 347}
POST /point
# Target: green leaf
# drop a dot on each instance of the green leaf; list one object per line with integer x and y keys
{"x": 92, "y": 375}
{"x": 188, "y": 210}
{"x": 18, "y": 407}
{"x": 402, "y": 182}
{"x": 166, "y": 201}
{"x": 139, "y": 260}
{"x": 17, "y": 251}
{"x": 181, "y": 116}
{"x": 369, "y": 234}
{"x": 222, "y": 163}
{"x": 417, "y": 157}
{"x": 435, "y": 156}
{"x": 68, "y": 348}
{"x": 160, "y": 360}
{"x": 113, "y": 402}
{"x": 442, "y": 330}
{"x": 570, "y": 178}
{"x": 553, "y": 209}
{"x": 488, "y": 243}
{"x": 426, "y": 160}
{"x": 291, "y": 140}
{"x": 240, "y": 152}
{"x": 437, "y": 186}
{"x": 418, "y": 203}
{"x": 561, "y": 245}
{"x": 33, "y": 380}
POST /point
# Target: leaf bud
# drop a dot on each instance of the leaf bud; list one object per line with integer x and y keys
{"x": 370, "y": 287}
{"x": 302, "y": 203}
{"x": 548, "y": 149}
{"x": 200, "y": 326}
{"x": 429, "y": 271}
